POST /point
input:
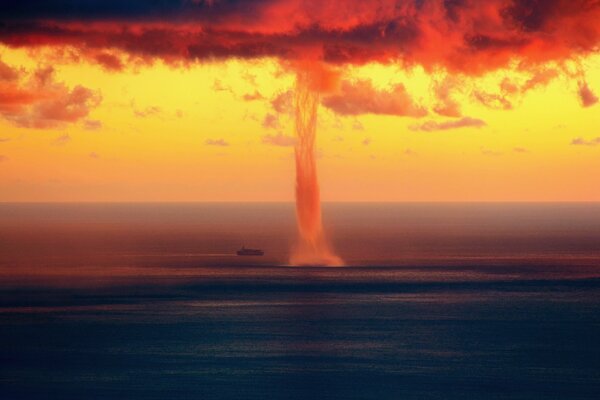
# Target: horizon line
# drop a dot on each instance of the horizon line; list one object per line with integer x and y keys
{"x": 293, "y": 202}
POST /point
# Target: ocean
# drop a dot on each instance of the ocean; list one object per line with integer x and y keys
{"x": 436, "y": 301}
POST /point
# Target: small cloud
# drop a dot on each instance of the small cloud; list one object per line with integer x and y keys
{"x": 279, "y": 140}
{"x": 61, "y": 140}
{"x": 271, "y": 121}
{"x": 450, "y": 108}
{"x": 253, "y": 96}
{"x": 94, "y": 155}
{"x": 179, "y": 114}
{"x": 491, "y": 153}
{"x": 4, "y": 140}
{"x": 361, "y": 97}
{"x": 338, "y": 139}
{"x": 508, "y": 87}
{"x": 366, "y": 141}
{"x": 357, "y": 125}
{"x": 520, "y": 150}
{"x": 218, "y": 86}
{"x": 446, "y": 105}
{"x": 584, "y": 142}
{"x": 3, "y": 158}
{"x": 587, "y": 97}
{"x": 492, "y": 100}
{"x": 147, "y": 112}
{"x": 109, "y": 62}
{"x": 216, "y": 142}
{"x": 540, "y": 78}
{"x": 409, "y": 152}
{"x": 35, "y": 99}
{"x": 282, "y": 103}
{"x": 8, "y": 73}
{"x": 466, "y": 122}
{"x": 92, "y": 125}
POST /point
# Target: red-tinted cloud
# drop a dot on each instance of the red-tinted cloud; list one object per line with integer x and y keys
{"x": 36, "y": 100}
{"x": 279, "y": 140}
{"x": 360, "y": 97}
{"x": 470, "y": 36}
{"x": 540, "y": 78}
{"x": 8, "y": 73}
{"x": 466, "y": 122}
{"x": 109, "y": 61}
{"x": 446, "y": 105}
{"x": 588, "y": 98}
{"x": 513, "y": 90}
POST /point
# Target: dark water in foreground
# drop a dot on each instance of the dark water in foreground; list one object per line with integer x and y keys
{"x": 440, "y": 302}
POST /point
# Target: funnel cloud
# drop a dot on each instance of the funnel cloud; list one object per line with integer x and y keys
{"x": 313, "y": 247}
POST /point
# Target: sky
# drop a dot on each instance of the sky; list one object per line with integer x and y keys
{"x": 427, "y": 100}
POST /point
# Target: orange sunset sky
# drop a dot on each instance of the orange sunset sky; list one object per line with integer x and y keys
{"x": 110, "y": 125}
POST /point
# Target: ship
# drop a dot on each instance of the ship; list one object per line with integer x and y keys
{"x": 250, "y": 252}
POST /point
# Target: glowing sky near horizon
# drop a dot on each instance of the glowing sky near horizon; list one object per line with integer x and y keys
{"x": 82, "y": 121}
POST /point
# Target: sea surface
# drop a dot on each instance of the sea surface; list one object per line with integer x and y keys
{"x": 436, "y": 301}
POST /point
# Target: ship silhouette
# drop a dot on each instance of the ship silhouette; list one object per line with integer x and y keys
{"x": 249, "y": 252}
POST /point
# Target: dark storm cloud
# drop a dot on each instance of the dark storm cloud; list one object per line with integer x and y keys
{"x": 91, "y": 9}
{"x": 469, "y": 36}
